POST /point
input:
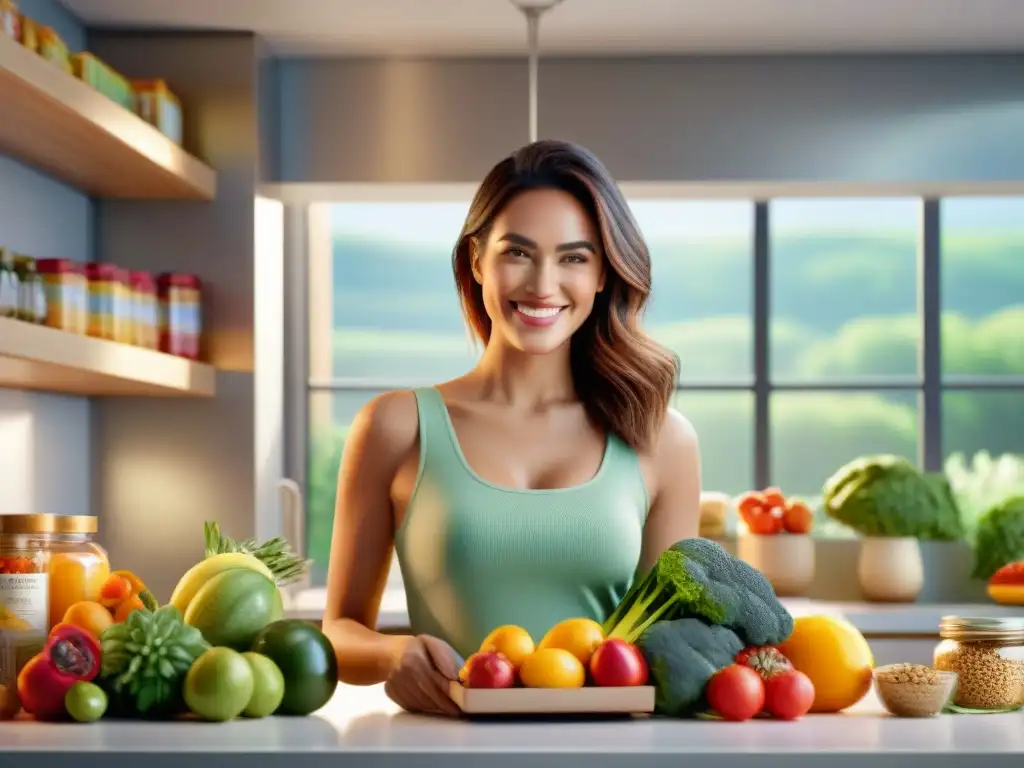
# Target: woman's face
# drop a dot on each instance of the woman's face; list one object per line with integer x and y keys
{"x": 540, "y": 270}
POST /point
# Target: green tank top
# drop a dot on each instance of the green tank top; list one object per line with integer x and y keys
{"x": 475, "y": 556}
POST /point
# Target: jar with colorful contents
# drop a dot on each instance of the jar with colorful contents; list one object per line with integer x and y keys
{"x": 67, "y": 294}
{"x": 180, "y": 314}
{"x": 24, "y": 588}
{"x": 145, "y": 315}
{"x": 78, "y": 566}
{"x": 108, "y": 305}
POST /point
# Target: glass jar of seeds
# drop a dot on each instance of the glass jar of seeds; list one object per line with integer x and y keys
{"x": 987, "y": 656}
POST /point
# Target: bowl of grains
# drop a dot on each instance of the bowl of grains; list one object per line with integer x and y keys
{"x": 914, "y": 690}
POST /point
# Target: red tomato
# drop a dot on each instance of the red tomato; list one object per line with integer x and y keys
{"x": 798, "y": 517}
{"x": 617, "y": 663}
{"x": 773, "y": 497}
{"x": 766, "y": 523}
{"x": 750, "y": 504}
{"x": 766, "y": 660}
{"x": 735, "y": 692}
{"x": 788, "y": 695}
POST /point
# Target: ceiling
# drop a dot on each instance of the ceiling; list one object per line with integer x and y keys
{"x": 581, "y": 27}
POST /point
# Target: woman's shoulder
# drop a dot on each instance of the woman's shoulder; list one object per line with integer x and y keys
{"x": 675, "y": 442}
{"x": 389, "y": 423}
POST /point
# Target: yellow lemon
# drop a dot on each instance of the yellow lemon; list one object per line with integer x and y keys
{"x": 511, "y": 641}
{"x": 835, "y": 656}
{"x": 552, "y": 668}
{"x": 580, "y": 637}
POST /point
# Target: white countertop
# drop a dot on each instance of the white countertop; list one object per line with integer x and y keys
{"x": 367, "y": 728}
{"x": 869, "y": 618}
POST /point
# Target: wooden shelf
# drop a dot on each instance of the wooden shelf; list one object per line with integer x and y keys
{"x": 37, "y": 358}
{"x": 53, "y": 121}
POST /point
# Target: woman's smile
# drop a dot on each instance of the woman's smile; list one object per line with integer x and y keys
{"x": 537, "y": 315}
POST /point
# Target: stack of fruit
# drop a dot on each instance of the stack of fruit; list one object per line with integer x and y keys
{"x": 572, "y": 654}
{"x": 770, "y": 512}
{"x": 220, "y": 649}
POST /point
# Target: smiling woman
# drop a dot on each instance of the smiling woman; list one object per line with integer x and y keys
{"x": 533, "y": 488}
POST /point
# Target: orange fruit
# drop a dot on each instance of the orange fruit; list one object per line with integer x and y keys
{"x": 90, "y": 616}
{"x": 115, "y": 590}
{"x": 835, "y": 656}
{"x": 552, "y": 668}
{"x": 580, "y": 637}
{"x": 513, "y": 642}
{"x": 133, "y": 603}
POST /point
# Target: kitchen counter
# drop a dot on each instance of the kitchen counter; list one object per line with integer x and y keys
{"x": 361, "y": 727}
{"x": 886, "y": 619}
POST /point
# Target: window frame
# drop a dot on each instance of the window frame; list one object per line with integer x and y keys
{"x": 304, "y": 227}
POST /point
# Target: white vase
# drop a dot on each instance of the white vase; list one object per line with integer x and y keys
{"x": 785, "y": 559}
{"x": 890, "y": 569}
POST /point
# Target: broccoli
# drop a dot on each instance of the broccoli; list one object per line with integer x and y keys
{"x": 698, "y": 577}
{"x": 682, "y": 655}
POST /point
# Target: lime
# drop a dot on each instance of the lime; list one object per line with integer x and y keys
{"x": 268, "y": 685}
{"x": 219, "y": 685}
{"x": 85, "y": 702}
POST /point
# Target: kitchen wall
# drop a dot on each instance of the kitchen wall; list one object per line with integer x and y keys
{"x": 782, "y": 119}
{"x": 44, "y": 439}
{"x": 164, "y": 466}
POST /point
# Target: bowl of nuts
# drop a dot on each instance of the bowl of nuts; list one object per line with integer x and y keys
{"x": 914, "y": 690}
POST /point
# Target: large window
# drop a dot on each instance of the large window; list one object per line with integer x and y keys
{"x": 846, "y": 364}
{"x": 843, "y": 314}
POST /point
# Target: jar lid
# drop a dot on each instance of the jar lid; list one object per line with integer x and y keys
{"x": 981, "y": 627}
{"x": 14, "y": 524}
{"x": 75, "y": 524}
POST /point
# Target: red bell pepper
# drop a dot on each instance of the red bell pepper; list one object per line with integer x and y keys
{"x": 71, "y": 654}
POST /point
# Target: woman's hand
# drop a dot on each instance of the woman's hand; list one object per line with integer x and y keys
{"x": 420, "y": 678}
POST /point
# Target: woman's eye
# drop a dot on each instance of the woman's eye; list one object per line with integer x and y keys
{"x": 576, "y": 259}
{"x": 516, "y": 252}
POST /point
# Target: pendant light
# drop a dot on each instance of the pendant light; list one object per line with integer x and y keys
{"x": 533, "y": 10}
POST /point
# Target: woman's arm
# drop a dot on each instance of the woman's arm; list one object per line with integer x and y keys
{"x": 381, "y": 436}
{"x": 675, "y": 501}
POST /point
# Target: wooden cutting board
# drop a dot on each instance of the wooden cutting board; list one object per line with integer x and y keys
{"x": 546, "y": 701}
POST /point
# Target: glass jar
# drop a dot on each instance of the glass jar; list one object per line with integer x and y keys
{"x": 987, "y": 656}
{"x": 24, "y": 596}
{"x": 67, "y": 294}
{"x": 31, "y": 292}
{"x": 78, "y": 566}
{"x": 180, "y": 314}
{"x": 107, "y": 294}
{"x": 9, "y": 285}
{"x": 145, "y": 314}
{"x": 9, "y": 704}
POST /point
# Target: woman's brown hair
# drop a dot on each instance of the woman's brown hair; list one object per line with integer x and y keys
{"x": 624, "y": 378}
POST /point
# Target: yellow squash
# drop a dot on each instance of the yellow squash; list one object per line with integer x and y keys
{"x": 200, "y": 573}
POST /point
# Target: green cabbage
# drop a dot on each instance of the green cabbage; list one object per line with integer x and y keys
{"x": 999, "y": 537}
{"x": 886, "y": 495}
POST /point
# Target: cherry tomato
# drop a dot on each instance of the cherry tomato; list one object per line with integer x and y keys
{"x": 766, "y": 660}
{"x": 798, "y": 517}
{"x": 773, "y": 497}
{"x": 749, "y": 506}
{"x": 788, "y": 695}
{"x": 735, "y": 692}
{"x": 767, "y": 522}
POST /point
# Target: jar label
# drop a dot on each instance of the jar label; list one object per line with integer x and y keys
{"x": 24, "y": 603}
